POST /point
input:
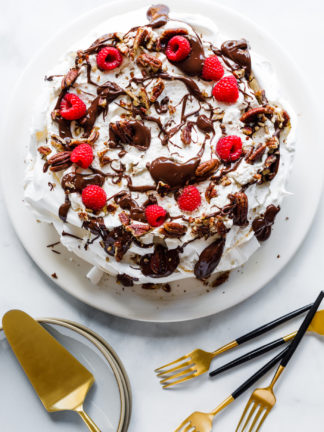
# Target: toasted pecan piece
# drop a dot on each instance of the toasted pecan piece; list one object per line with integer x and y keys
{"x": 207, "y": 167}
{"x": 59, "y": 162}
{"x": 256, "y": 154}
{"x": 150, "y": 62}
{"x": 69, "y": 78}
{"x": 253, "y": 113}
{"x": 173, "y": 229}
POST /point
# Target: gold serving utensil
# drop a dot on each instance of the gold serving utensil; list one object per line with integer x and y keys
{"x": 198, "y": 361}
{"x": 203, "y": 422}
{"x": 60, "y": 381}
{"x": 263, "y": 400}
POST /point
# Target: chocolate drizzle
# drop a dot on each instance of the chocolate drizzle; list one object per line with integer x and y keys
{"x": 131, "y": 132}
{"x": 174, "y": 174}
{"x": 76, "y": 182}
{"x": 238, "y": 52}
{"x": 158, "y": 15}
{"x": 107, "y": 93}
{"x": 262, "y": 224}
{"x": 125, "y": 201}
{"x": 209, "y": 259}
{"x": 64, "y": 208}
{"x": 161, "y": 263}
{"x": 193, "y": 64}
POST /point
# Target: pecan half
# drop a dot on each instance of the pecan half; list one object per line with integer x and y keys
{"x": 256, "y": 154}
{"x": 124, "y": 218}
{"x": 150, "y": 62}
{"x": 207, "y": 167}
{"x": 138, "y": 229}
{"x": 211, "y": 192}
{"x": 141, "y": 35}
{"x": 239, "y": 211}
{"x": 272, "y": 143}
{"x": 69, "y": 78}
{"x": 173, "y": 229}
{"x": 186, "y": 133}
{"x": 253, "y": 113}
{"x": 271, "y": 166}
{"x": 60, "y": 161}
{"x": 44, "y": 151}
{"x": 157, "y": 90}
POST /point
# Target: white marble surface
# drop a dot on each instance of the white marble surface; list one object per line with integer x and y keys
{"x": 24, "y": 26}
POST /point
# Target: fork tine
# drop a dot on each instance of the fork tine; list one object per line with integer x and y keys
{"x": 179, "y": 381}
{"x": 247, "y": 407}
{"x": 188, "y": 428}
{"x": 254, "y": 407}
{"x": 172, "y": 363}
{"x": 265, "y": 415}
{"x": 168, "y": 371}
{"x": 182, "y": 425}
{"x": 259, "y": 412}
{"x": 178, "y": 375}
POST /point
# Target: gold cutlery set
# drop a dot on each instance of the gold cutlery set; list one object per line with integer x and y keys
{"x": 62, "y": 382}
{"x": 262, "y": 400}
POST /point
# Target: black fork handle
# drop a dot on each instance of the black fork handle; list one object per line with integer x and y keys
{"x": 271, "y": 325}
{"x": 255, "y": 377}
{"x": 249, "y": 356}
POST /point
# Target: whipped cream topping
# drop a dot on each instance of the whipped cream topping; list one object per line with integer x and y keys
{"x": 239, "y": 200}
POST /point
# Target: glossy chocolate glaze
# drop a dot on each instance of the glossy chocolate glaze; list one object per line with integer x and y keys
{"x": 76, "y": 182}
{"x": 162, "y": 262}
{"x": 238, "y": 51}
{"x": 209, "y": 259}
{"x": 193, "y": 64}
{"x": 174, "y": 174}
{"x": 262, "y": 224}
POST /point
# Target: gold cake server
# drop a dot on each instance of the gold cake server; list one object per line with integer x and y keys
{"x": 60, "y": 381}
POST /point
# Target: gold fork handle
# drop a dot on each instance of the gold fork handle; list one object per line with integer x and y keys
{"x": 87, "y": 420}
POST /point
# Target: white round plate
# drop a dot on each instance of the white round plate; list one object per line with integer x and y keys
{"x": 105, "y": 402}
{"x": 159, "y": 306}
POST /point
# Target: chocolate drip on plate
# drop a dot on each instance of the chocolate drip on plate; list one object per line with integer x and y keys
{"x": 209, "y": 259}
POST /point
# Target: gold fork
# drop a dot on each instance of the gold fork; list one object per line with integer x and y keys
{"x": 203, "y": 422}
{"x": 198, "y": 361}
{"x": 263, "y": 400}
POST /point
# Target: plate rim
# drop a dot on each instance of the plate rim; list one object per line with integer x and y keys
{"x": 43, "y": 267}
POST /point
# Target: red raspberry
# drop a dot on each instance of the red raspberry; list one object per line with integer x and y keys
{"x": 229, "y": 148}
{"x": 94, "y": 197}
{"x": 82, "y": 155}
{"x": 212, "y": 69}
{"x": 226, "y": 90}
{"x": 155, "y": 215}
{"x": 72, "y": 107}
{"x": 109, "y": 58}
{"x": 178, "y": 48}
{"x": 190, "y": 199}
